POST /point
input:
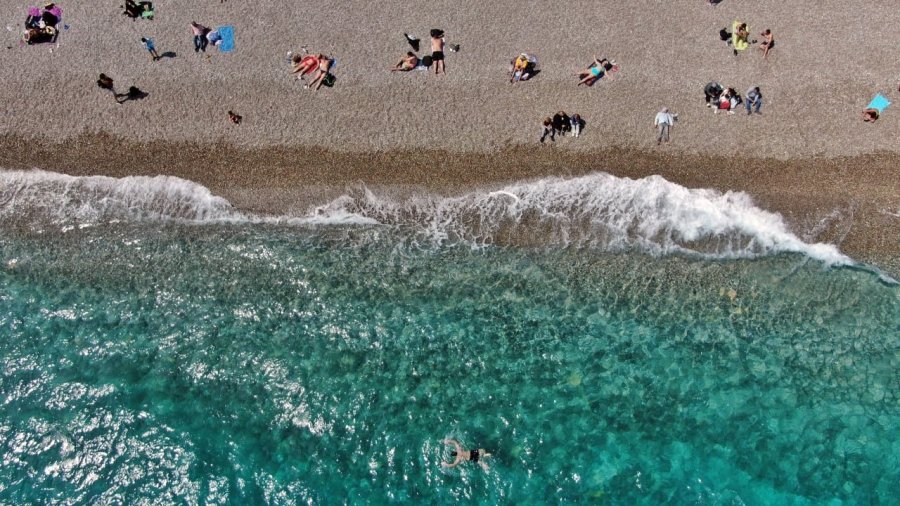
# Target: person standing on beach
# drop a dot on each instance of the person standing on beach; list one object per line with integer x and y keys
{"x": 437, "y": 51}
{"x": 664, "y": 121}
{"x": 200, "y": 41}
{"x": 150, "y": 47}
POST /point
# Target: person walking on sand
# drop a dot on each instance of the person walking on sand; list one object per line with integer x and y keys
{"x": 460, "y": 455}
{"x": 753, "y": 100}
{"x": 664, "y": 121}
{"x": 437, "y": 51}
{"x": 150, "y": 47}
{"x": 104, "y": 82}
{"x": 768, "y": 42}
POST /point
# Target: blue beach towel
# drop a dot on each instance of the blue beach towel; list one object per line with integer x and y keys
{"x": 879, "y": 103}
{"x": 227, "y": 34}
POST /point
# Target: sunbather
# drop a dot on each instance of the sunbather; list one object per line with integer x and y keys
{"x": 325, "y": 64}
{"x": 407, "y": 63}
{"x": 870, "y": 115}
{"x": 304, "y": 64}
{"x": 596, "y": 71}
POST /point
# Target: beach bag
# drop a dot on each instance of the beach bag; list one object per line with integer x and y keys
{"x": 329, "y": 80}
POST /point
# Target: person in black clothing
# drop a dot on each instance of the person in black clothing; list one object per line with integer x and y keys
{"x": 713, "y": 91}
{"x": 461, "y": 454}
{"x": 562, "y": 123}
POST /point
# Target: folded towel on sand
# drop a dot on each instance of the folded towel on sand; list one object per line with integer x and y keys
{"x": 227, "y": 35}
{"x": 879, "y": 103}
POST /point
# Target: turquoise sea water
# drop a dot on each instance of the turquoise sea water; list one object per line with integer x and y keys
{"x": 607, "y": 340}
{"x": 158, "y": 363}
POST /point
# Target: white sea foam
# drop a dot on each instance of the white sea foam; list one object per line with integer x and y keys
{"x": 47, "y": 196}
{"x": 597, "y": 211}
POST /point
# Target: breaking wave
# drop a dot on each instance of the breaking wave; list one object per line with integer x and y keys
{"x": 596, "y": 211}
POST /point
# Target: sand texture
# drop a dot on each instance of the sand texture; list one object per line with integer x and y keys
{"x": 831, "y": 58}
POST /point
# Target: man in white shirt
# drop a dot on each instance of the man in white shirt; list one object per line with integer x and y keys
{"x": 664, "y": 121}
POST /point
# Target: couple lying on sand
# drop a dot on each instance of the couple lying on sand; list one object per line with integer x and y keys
{"x": 319, "y": 64}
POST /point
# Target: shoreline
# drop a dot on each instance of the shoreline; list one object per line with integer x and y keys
{"x": 846, "y": 201}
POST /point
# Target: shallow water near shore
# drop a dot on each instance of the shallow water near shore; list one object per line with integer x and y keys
{"x": 253, "y": 363}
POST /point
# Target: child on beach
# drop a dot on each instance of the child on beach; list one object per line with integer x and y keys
{"x": 437, "y": 51}
{"x": 151, "y": 48}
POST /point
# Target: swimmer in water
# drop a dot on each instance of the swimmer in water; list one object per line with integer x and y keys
{"x": 460, "y": 455}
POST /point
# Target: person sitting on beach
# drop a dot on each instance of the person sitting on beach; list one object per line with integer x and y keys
{"x": 461, "y": 455}
{"x": 768, "y": 42}
{"x": 577, "y": 123}
{"x": 235, "y": 118}
{"x": 870, "y": 115}
{"x": 548, "y": 130}
{"x": 595, "y": 72}
{"x": 304, "y": 64}
{"x": 325, "y": 64}
{"x": 562, "y": 123}
{"x": 712, "y": 91}
{"x": 437, "y": 51}
{"x": 522, "y": 68}
{"x": 407, "y": 63}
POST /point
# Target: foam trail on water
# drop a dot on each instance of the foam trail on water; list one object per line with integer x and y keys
{"x": 58, "y": 198}
{"x": 599, "y": 211}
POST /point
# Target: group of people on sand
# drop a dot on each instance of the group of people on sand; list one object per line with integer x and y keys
{"x": 42, "y": 25}
{"x": 739, "y": 38}
{"x": 435, "y": 60}
{"x": 135, "y": 10}
{"x": 724, "y": 99}
{"x": 561, "y": 124}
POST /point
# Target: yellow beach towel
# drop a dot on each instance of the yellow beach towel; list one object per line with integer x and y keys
{"x": 739, "y": 43}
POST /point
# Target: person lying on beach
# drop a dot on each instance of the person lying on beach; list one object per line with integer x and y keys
{"x": 595, "y": 72}
{"x": 325, "y": 64}
{"x": 304, "y": 64}
{"x": 768, "y": 42}
{"x": 407, "y": 63}
{"x": 460, "y": 455}
{"x": 437, "y": 51}
{"x": 870, "y": 115}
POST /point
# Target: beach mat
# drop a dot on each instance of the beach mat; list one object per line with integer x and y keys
{"x": 227, "y": 34}
{"x": 879, "y": 103}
